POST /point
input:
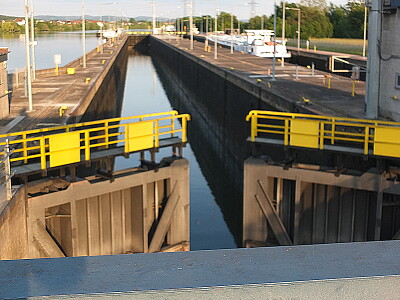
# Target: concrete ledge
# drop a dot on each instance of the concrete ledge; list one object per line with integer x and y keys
{"x": 356, "y": 270}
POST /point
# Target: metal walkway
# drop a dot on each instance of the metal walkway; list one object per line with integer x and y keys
{"x": 42, "y": 149}
{"x": 354, "y": 136}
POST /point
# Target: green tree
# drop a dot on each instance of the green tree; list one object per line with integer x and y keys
{"x": 10, "y": 27}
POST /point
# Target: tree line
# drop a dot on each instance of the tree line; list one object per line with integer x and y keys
{"x": 318, "y": 19}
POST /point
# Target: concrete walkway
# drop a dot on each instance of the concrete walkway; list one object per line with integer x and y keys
{"x": 334, "y": 101}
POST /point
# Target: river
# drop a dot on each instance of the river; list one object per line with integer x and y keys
{"x": 143, "y": 94}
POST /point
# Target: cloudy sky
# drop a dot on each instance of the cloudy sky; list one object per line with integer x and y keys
{"x": 132, "y": 8}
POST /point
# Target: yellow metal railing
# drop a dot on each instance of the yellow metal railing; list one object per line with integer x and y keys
{"x": 375, "y": 137}
{"x": 73, "y": 143}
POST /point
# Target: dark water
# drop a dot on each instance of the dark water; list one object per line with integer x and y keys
{"x": 146, "y": 93}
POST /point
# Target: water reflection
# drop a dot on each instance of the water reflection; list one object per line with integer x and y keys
{"x": 144, "y": 94}
{"x": 68, "y": 44}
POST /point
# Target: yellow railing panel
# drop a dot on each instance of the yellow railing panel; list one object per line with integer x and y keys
{"x": 68, "y": 144}
{"x": 304, "y": 133}
{"x": 139, "y": 136}
{"x": 314, "y": 131}
{"x": 64, "y": 148}
{"x": 387, "y": 141}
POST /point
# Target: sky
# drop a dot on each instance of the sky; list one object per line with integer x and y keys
{"x": 133, "y": 8}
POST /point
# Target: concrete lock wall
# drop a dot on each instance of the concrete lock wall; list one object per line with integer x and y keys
{"x": 13, "y": 230}
{"x": 104, "y": 98}
{"x": 305, "y": 205}
{"x": 139, "y": 212}
{"x": 4, "y": 98}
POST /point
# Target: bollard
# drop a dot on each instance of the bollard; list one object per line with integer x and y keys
{"x": 328, "y": 80}
{"x": 312, "y": 69}
{"x": 353, "y": 87}
{"x": 61, "y": 110}
{"x": 87, "y": 80}
{"x": 103, "y": 61}
{"x": 315, "y": 48}
{"x": 111, "y": 52}
{"x": 297, "y": 71}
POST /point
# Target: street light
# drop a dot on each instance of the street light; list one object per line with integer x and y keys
{"x": 190, "y": 4}
{"x": 216, "y": 36}
{"x": 298, "y": 24}
{"x": 283, "y": 30}
{"x": 83, "y": 35}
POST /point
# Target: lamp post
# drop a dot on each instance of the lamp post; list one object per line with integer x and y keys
{"x": 298, "y": 24}
{"x": 33, "y": 43}
{"x": 28, "y": 60}
{"x": 283, "y": 30}
{"x": 190, "y": 4}
{"x": 83, "y": 35}
{"x": 274, "y": 58}
{"x": 231, "y": 32}
{"x": 154, "y": 16}
{"x": 365, "y": 28}
{"x": 216, "y": 37}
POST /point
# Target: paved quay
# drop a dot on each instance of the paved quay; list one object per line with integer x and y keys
{"x": 335, "y": 101}
{"x": 51, "y": 92}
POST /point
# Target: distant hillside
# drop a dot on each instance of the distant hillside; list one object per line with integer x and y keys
{"x": 87, "y": 17}
{"x": 2, "y": 17}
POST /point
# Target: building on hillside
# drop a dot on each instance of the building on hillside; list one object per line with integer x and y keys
{"x": 4, "y": 95}
{"x": 20, "y": 22}
{"x": 389, "y": 56}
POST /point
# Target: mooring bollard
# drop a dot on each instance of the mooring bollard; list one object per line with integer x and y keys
{"x": 328, "y": 80}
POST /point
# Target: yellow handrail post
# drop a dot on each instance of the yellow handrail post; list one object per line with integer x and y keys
{"x": 173, "y": 126}
{"x": 184, "y": 131}
{"x": 286, "y": 133}
{"x": 333, "y": 132}
{"x": 321, "y": 135}
{"x": 42, "y": 153}
{"x": 24, "y": 147}
{"x": 253, "y": 127}
{"x": 353, "y": 87}
{"x": 107, "y": 137}
{"x": 87, "y": 146}
{"x": 157, "y": 138}
{"x": 366, "y": 140}
{"x": 126, "y": 138}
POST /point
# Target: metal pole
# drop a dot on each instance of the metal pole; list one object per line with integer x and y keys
{"x": 365, "y": 29}
{"x": 283, "y": 30}
{"x": 274, "y": 58}
{"x": 298, "y": 30}
{"x": 28, "y": 59}
{"x": 206, "y": 25}
{"x": 373, "y": 62}
{"x": 262, "y": 22}
{"x": 216, "y": 38}
{"x": 33, "y": 43}
{"x": 190, "y": 4}
{"x": 231, "y": 32}
{"x": 154, "y": 17}
{"x": 83, "y": 35}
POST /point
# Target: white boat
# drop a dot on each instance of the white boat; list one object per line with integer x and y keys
{"x": 108, "y": 34}
{"x": 256, "y": 42}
